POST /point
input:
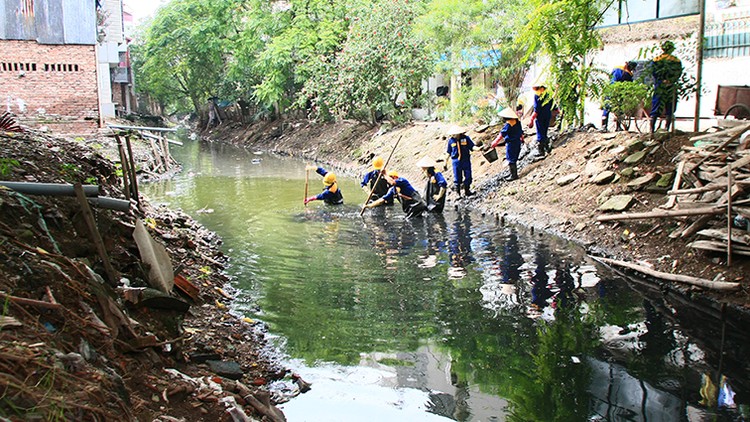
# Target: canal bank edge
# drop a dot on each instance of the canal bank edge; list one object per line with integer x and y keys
{"x": 76, "y": 346}
{"x": 537, "y": 201}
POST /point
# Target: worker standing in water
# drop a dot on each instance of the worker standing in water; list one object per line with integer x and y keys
{"x": 411, "y": 201}
{"x": 379, "y": 187}
{"x": 434, "y": 193}
{"x": 459, "y": 149}
{"x": 511, "y": 135}
{"x": 331, "y": 194}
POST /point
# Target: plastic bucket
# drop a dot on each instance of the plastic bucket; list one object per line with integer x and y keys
{"x": 491, "y": 155}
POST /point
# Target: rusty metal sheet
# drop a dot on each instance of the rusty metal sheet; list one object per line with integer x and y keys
{"x": 17, "y": 20}
{"x": 729, "y": 95}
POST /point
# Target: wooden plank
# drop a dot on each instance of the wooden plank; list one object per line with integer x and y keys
{"x": 722, "y": 235}
{"x": 742, "y": 162}
{"x": 96, "y": 237}
{"x": 715, "y": 246}
{"x": 729, "y": 219}
{"x": 676, "y": 185}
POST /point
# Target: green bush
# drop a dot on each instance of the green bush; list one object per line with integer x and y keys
{"x": 625, "y": 99}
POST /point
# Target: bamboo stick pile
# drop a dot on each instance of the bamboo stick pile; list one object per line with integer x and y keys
{"x": 709, "y": 191}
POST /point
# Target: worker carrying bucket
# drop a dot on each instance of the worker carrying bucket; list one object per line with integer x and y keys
{"x": 511, "y": 135}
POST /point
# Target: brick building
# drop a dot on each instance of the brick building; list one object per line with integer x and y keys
{"x": 48, "y": 64}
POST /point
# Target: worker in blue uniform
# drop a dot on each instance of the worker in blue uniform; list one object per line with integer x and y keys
{"x": 411, "y": 201}
{"x": 619, "y": 74}
{"x": 542, "y": 117}
{"x": 437, "y": 187}
{"x": 331, "y": 194}
{"x": 459, "y": 149}
{"x": 666, "y": 70}
{"x": 511, "y": 135}
{"x": 379, "y": 187}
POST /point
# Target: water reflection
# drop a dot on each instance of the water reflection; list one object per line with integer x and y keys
{"x": 449, "y": 316}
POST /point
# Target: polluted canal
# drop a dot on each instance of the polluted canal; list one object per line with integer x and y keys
{"x": 449, "y": 317}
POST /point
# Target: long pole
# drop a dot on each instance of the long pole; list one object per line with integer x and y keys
{"x": 699, "y": 61}
{"x": 372, "y": 190}
{"x": 307, "y": 182}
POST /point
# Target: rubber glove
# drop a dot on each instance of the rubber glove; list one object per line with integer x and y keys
{"x": 310, "y": 199}
{"x": 531, "y": 123}
{"x": 311, "y": 167}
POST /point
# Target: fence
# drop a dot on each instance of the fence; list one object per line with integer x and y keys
{"x": 728, "y": 39}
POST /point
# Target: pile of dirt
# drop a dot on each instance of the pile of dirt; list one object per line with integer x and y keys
{"x": 560, "y": 194}
{"x": 76, "y": 344}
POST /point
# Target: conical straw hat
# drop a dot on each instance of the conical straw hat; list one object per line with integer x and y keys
{"x": 456, "y": 130}
{"x": 508, "y": 113}
{"x": 426, "y": 162}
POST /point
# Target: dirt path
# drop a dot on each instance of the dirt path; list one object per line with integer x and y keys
{"x": 537, "y": 199}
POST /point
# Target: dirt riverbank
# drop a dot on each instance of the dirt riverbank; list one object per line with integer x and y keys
{"x": 78, "y": 342}
{"x": 541, "y": 198}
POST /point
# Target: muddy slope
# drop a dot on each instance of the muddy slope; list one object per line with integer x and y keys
{"x": 75, "y": 345}
{"x": 539, "y": 198}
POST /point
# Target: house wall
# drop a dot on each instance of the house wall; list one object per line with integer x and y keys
{"x": 50, "y": 85}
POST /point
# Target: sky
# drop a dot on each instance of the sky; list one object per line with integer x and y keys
{"x": 142, "y": 8}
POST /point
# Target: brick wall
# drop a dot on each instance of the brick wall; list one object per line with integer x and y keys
{"x": 58, "y": 88}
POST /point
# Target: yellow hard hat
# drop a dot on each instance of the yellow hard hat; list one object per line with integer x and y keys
{"x": 329, "y": 179}
{"x": 393, "y": 174}
{"x": 378, "y": 163}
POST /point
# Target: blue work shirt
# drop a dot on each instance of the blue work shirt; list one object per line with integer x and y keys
{"x": 404, "y": 188}
{"x": 512, "y": 135}
{"x": 460, "y": 148}
{"x": 543, "y": 106}
{"x": 331, "y": 195}
{"x": 619, "y": 74}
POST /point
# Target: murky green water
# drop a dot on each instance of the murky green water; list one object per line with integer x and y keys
{"x": 445, "y": 317}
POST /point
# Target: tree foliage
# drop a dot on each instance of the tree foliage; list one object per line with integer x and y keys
{"x": 380, "y": 63}
{"x": 564, "y": 31}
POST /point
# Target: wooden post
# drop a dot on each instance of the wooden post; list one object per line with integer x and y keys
{"x": 124, "y": 167}
{"x": 699, "y": 64}
{"x": 133, "y": 179}
{"x": 307, "y": 181}
{"x": 729, "y": 217}
{"x": 167, "y": 155}
{"x": 88, "y": 216}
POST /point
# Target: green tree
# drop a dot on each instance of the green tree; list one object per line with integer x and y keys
{"x": 564, "y": 31}
{"x": 453, "y": 29}
{"x": 299, "y": 37}
{"x": 184, "y": 50}
{"x": 379, "y": 63}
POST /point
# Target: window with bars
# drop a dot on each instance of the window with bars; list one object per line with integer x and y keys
{"x": 17, "y": 67}
{"x": 60, "y": 67}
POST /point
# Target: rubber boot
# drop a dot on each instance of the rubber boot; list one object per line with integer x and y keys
{"x": 540, "y": 151}
{"x": 605, "y": 122}
{"x": 457, "y": 189}
{"x": 467, "y": 191}
{"x": 513, "y": 172}
{"x": 653, "y": 123}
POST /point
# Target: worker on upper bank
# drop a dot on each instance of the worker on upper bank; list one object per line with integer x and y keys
{"x": 459, "y": 149}
{"x": 619, "y": 74}
{"x": 511, "y": 135}
{"x": 666, "y": 70}
{"x": 434, "y": 192}
{"x": 411, "y": 201}
{"x": 331, "y": 194}
{"x": 379, "y": 187}
{"x": 542, "y": 117}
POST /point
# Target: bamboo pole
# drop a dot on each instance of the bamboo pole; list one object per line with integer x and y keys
{"x": 133, "y": 178}
{"x": 694, "y": 281}
{"x": 361, "y": 213}
{"x": 729, "y": 218}
{"x": 307, "y": 182}
{"x": 660, "y": 214}
{"x": 124, "y": 168}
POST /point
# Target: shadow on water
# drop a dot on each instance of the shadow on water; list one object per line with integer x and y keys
{"x": 451, "y": 316}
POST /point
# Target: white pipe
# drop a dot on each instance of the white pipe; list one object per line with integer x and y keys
{"x": 53, "y": 189}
